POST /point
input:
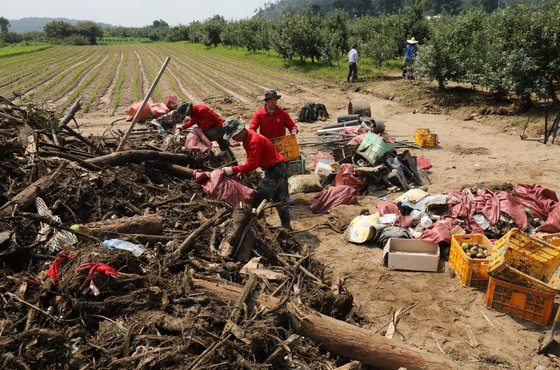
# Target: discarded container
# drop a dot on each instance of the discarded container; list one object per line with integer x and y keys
{"x": 360, "y": 107}
{"x": 521, "y": 259}
{"x": 373, "y": 147}
{"x": 411, "y": 254}
{"x": 287, "y": 146}
{"x": 470, "y": 271}
{"x": 323, "y": 168}
{"x": 136, "y": 249}
{"x": 297, "y": 166}
{"x": 526, "y": 303}
{"x": 553, "y": 239}
{"x": 363, "y": 228}
{"x": 425, "y": 138}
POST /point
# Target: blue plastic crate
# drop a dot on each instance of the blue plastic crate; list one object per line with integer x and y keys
{"x": 297, "y": 166}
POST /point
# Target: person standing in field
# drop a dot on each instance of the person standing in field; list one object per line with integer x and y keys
{"x": 411, "y": 49}
{"x": 272, "y": 122}
{"x": 353, "y": 64}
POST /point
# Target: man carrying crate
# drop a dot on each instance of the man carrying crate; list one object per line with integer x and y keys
{"x": 272, "y": 122}
{"x": 261, "y": 153}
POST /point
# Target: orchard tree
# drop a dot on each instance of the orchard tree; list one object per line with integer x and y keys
{"x": 211, "y": 30}
{"x": 283, "y": 35}
{"x": 4, "y": 24}
{"x": 90, "y": 30}
{"x": 58, "y": 30}
{"x": 334, "y": 37}
{"x": 179, "y": 33}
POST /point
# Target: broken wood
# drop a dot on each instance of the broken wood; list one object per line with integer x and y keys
{"x": 186, "y": 244}
{"x": 70, "y": 116}
{"x": 242, "y": 218}
{"x": 337, "y": 336}
{"x": 25, "y": 198}
{"x": 139, "y": 156}
{"x": 149, "y": 224}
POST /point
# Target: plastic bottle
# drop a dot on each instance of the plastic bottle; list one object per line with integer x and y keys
{"x": 136, "y": 249}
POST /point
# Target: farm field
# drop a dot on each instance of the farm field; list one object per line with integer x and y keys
{"x": 475, "y": 148}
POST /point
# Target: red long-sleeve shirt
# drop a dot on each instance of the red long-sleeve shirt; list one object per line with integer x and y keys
{"x": 204, "y": 117}
{"x": 272, "y": 126}
{"x": 260, "y": 153}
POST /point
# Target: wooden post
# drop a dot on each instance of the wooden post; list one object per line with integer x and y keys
{"x": 137, "y": 115}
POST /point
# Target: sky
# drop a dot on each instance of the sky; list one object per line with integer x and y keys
{"x": 136, "y": 13}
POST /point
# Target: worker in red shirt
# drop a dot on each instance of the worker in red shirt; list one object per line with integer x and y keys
{"x": 272, "y": 122}
{"x": 271, "y": 119}
{"x": 261, "y": 153}
{"x": 210, "y": 123}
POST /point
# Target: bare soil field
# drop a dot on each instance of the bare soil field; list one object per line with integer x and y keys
{"x": 479, "y": 145}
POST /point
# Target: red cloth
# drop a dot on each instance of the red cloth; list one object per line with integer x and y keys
{"x": 220, "y": 186}
{"x": 53, "y": 270}
{"x": 204, "y": 117}
{"x": 389, "y": 207}
{"x": 321, "y": 155}
{"x": 331, "y": 197}
{"x": 539, "y": 200}
{"x": 438, "y": 232}
{"x": 272, "y": 126}
{"x": 356, "y": 130}
{"x": 131, "y": 112}
{"x": 196, "y": 140}
{"x": 423, "y": 163}
{"x": 357, "y": 140}
{"x": 171, "y": 101}
{"x": 260, "y": 153}
{"x": 158, "y": 109}
{"x": 345, "y": 176}
{"x": 105, "y": 271}
{"x": 552, "y": 223}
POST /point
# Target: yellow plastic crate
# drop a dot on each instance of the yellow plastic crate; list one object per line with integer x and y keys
{"x": 425, "y": 138}
{"x": 287, "y": 146}
{"x": 522, "y": 259}
{"x": 553, "y": 239}
{"x": 470, "y": 271}
{"x": 529, "y": 304}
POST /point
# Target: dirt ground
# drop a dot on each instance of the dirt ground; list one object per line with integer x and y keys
{"x": 476, "y": 147}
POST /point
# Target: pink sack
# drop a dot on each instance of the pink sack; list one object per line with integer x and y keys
{"x": 220, "y": 186}
{"x": 331, "y": 197}
{"x": 357, "y": 140}
{"x": 131, "y": 112}
{"x": 196, "y": 140}
{"x": 552, "y": 223}
{"x": 171, "y": 101}
{"x": 437, "y": 232}
{"x": 345, "y": 176}
{"x": 322, "y": 155}
{"x": 158, "y": 109}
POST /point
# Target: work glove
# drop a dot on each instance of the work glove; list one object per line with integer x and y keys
{"x": 294, "y": 131}
{"x": 228, "y": 171}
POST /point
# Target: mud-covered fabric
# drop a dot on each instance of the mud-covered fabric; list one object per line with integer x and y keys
{"x": 273, "y": 185}
{"x": 310, "y": 112}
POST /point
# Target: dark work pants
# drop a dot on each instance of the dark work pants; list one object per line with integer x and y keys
{"x": 273, "y": 187}
{"x": 217, "y": 134}
{"x": 352, "y": 70}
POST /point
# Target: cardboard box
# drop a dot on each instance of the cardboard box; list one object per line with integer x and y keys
{"x": 410, "y": 254}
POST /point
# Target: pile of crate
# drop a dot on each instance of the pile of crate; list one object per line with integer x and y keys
{"x": 521, "y": 274}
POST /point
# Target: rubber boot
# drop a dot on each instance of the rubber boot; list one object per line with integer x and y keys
{"x": 284, "y": 215}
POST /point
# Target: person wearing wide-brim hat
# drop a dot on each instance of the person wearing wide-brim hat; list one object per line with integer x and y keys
{"x": 411, "y": 49}
{"x": 272, "y": 121}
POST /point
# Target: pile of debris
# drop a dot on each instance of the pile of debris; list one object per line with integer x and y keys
{"x": 208, "y": 284}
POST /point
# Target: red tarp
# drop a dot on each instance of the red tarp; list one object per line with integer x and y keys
{"x": 331, "y": 197}
{"x": 220, "y": 186}
{"x": 345, "y": 176}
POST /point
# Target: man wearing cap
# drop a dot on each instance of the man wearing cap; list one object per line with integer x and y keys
{"x": 411, "y": 49}
{"x": 353, "y": 64}
{"x": 271, "y": 120}
{"x": 261, "y": 153}
{"x": 209, "y": 122}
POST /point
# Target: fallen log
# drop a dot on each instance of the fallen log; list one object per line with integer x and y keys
{"x": 175, "y": 170}
{"x": 138, "y": 156}
{"x": 336, "y": 336}
{"x": 26, "y": 197}
{"x": 149, "y": 224}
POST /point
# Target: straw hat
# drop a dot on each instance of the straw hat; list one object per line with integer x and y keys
{"x": 412, "y": 41}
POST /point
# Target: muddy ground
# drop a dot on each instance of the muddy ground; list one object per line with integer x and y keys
{"x": 479, "y": 144}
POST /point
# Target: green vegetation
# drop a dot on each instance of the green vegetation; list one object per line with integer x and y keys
{"x": 21, "y": 48}
{"x": 122, "y": 40}
{"x": 107, "y": 75}
{"x": 121, "y": 80}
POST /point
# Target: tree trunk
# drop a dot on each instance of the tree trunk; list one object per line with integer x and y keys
{"x": 138, "y": 156}
{"x": 337, "y": 336}
{"x": 150, "y": 224}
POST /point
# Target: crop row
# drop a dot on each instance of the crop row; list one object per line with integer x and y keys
{"x": 109, "y": 78}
